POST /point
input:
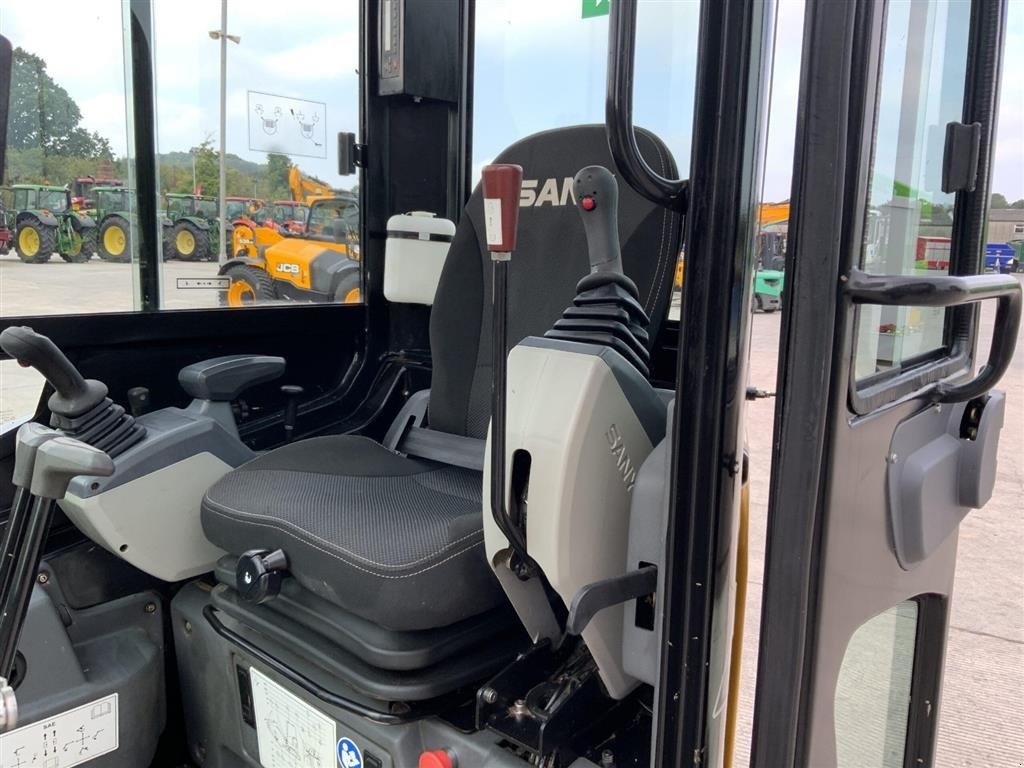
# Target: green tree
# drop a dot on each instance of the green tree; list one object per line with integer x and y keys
{"x": 239, "y": 183}
{"x": 998, "y": 201}
{"x": 207, "y": 167}
{"x": 276, "y": 177}
{"x": 1018, "y": 204}
{"x": 43, "y": 115}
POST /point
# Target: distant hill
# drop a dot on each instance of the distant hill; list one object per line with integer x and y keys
{"x": 184, "y": 160}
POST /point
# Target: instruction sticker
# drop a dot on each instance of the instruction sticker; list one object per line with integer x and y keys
{"x": 289, "y": 732}
{"x": 492, "y": 220}
{"x": 219, "y": 283}
{"x": 70, "y": 738}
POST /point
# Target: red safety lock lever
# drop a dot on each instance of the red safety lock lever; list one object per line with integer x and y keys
{"x": 502, "y": 185}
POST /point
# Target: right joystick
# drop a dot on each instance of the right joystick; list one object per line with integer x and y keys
{"x": 597, "y": 198}
{"x": 606, "y": 311}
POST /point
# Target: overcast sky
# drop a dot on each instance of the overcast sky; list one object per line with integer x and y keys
{"x": 539, "y": 65}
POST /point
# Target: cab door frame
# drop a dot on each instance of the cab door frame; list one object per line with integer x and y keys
{"x": 707, "y": 439}
{"x": 827, "y": 504}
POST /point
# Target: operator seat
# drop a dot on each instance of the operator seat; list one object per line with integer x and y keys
{"x": 398, "y": 540}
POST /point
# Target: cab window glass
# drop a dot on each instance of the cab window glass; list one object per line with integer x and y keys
{"x": 541, "y": 65}
{"x": 909, "y": 221}
{"x": 873, "y": 692}
{"x": 291, "y": 87}
{"x": 66, "y": 135}
{"x": 69, "y": 200}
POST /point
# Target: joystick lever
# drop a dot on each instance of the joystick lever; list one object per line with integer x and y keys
{"x": 597, "y": 198}
{"x": 80, "y": 407}
{"x": 606, "y": 310}
{"x": 73, "y": 395}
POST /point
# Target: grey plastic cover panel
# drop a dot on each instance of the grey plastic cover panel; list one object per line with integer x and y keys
{"x": 645, "y": 400}
{"x": 935, "y": 476}
{"x": 117, "y": 648}
{"x": 648, "y": 521}
{"x": 172, "y": 434}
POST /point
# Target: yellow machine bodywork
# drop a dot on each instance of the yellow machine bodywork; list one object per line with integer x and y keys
{"x": 285, "y": 257}
{"x": 249, "y": 239}
{"x": 291, "y": 257}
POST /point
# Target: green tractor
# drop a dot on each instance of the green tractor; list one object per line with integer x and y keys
{"x": 46, "y": 222}
{"x": 115, "y": 223}
{"x": 195, "y": 233}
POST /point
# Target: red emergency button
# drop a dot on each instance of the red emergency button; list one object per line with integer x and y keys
{"x": 437, "y": 758}
{"x": 588, "y": 203}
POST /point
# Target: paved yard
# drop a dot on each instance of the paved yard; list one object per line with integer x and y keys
{"x": 982, "y": 713}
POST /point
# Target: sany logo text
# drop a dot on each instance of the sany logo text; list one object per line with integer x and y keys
{"x": 538, "y": 192}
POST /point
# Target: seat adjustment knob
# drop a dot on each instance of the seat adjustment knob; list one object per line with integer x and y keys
{"x": 259, "y": 573}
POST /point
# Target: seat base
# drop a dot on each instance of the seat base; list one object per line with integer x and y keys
{"x": 221, "y": 726}
{"x": 298, "y": 650}
{"x": 373, "y": 645}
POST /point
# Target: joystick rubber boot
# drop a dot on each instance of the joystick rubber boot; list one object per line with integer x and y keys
{"x": 606, "y": 310}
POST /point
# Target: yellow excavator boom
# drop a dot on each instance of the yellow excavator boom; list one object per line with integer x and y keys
{"x": 306, "y": 187}
{"x": 772, "y": 213}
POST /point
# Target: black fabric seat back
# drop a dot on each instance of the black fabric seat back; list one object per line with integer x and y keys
{"x": 550, "y": 259}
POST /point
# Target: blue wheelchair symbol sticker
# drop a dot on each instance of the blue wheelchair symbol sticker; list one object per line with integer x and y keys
{"x": 348, "y": 754}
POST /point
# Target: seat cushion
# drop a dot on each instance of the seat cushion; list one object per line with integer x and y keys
{"x": 395, "y": 540}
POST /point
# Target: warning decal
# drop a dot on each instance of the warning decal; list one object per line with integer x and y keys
{"x": 290, "y": 733}
{"x": 70, "y": 738}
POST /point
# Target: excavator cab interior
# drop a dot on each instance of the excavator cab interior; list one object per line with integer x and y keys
{"x": 494, "y": 514}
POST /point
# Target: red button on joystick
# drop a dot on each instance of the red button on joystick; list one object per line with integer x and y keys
{"x": 588, "y": 203}
{"x": 436, "y": 758}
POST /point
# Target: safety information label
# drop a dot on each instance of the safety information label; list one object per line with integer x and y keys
{"x": 492, "y": 220}
{"x": 289, "y": 732}
{"x": 70, "y": 738}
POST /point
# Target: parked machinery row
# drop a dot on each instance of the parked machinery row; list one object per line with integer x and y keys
{"x": 42, "y": 220}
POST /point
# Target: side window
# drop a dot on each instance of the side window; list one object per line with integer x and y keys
{"x": 910, "y": 220}
{"x": 520, "y": 90}
{"x": 872, "y": 702}
{"x": 66, "y": 130}
{"x": 290, "y": 88}
{"x": 68, "y": 189}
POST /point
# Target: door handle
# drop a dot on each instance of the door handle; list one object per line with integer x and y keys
{"x": 950, "y": 291}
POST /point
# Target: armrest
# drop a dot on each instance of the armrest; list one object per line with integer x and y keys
{"x": 223, "y": 379}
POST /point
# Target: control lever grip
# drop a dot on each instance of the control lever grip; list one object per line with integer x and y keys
{"x": 74, "y": 394}
{"x": 501, "y": 187}
{"x": 597, "y": 200}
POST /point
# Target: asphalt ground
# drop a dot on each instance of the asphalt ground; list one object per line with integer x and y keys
{"x": 982, "y": 709}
